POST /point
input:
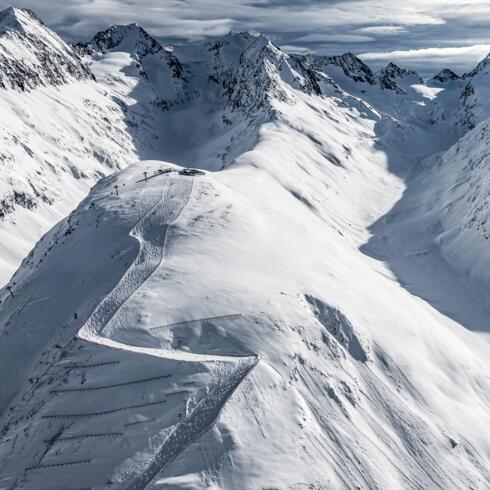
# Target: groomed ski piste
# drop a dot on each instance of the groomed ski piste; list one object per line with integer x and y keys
{"x": 313, "y": 312}
{"x": 145, "y": 400}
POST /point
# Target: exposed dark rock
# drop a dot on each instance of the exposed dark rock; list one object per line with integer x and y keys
{"x": 31, "y": 55}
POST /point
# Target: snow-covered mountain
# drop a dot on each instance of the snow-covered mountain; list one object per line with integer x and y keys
{"x": 31, "y": 55}
{"x": 155, "y": 63}
{"x": 311, "y": 312}
{"x": 60, "y": 132}
{"x": 392, "y": 77}
{"x": 474, "y": 98}
{"x": 446, "y": 75}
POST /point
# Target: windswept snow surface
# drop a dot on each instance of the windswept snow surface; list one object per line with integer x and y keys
{"x": 60, "y": 131}
{"x": 315, "y": 314}
{"x": 172, "y": 396}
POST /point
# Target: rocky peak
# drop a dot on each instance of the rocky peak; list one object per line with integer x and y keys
{"x": 474, "y": 96}
{"x": 392, "y": 74}
{"x": 227, "y": 51}
{"x": 134, "y": 40}
{"x": 17, "y": 19}
{"x": 394, "y": 71}
{"x": 32, "y": 55}
{"x": 353, "y": 67}
{"x": 252, "y": 71}
{"x": 238, "y": 39}
{"x": 446, "y": 75}
{"x": 129, "y": 38}
{"x": 479, "y": 68}
{"x": 157, "y": 65}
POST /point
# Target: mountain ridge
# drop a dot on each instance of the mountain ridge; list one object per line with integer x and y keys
{"x": 310, "y": 309}
{"x": 31, "y": 55}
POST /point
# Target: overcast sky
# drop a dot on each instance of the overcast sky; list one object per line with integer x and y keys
{"x": 424, "y": 34}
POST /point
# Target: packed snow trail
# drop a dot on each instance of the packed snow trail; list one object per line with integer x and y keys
{"x": 80, "y": 426}
{"x": 151, "y": 232}
{"x": 363, "y": 384}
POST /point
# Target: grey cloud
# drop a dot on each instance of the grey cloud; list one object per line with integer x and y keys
{"x": 382, "y": 30}
{"x": 320, "y": 26}
{"x": 336, "y": 38}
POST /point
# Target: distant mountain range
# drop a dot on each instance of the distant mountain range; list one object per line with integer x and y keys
{"x": 310, "y": 309}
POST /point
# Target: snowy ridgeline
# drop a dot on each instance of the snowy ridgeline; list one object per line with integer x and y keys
{"x": 312, "y": 312}
{"x": 75, "y": 113}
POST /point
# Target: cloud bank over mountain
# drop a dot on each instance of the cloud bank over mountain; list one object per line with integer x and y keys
{"x": 454, "y": 31}
{"x": 280, "y": 278}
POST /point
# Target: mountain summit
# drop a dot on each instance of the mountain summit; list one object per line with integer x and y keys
{"x": 446, "y": 75}
{"x": 31, "y": 55}
{"x": 266, "y": 270}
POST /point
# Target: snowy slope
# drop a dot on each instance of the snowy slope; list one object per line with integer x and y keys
{"x": 156, "y": 64}
{"x": 449, "y": 199}
{"x": 53, "y": 132}
{"x": 200, "y": 105}
{"x": 67, "y": 132}
{"x": 61, "y": 131}
{"x": 314, "y": 314}
{"x": 182, "y": 275}
{"x": 31, "y": 55}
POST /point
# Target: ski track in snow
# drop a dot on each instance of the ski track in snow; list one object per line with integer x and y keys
{"x": 110, "y": 316}
{"x": 370, "y": 378}
{"x": 152, "y": 251}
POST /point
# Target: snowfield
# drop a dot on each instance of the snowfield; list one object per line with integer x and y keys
{"x": 312, "y": 311}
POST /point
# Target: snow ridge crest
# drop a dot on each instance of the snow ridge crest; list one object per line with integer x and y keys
{"x": 31, "y": 55}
